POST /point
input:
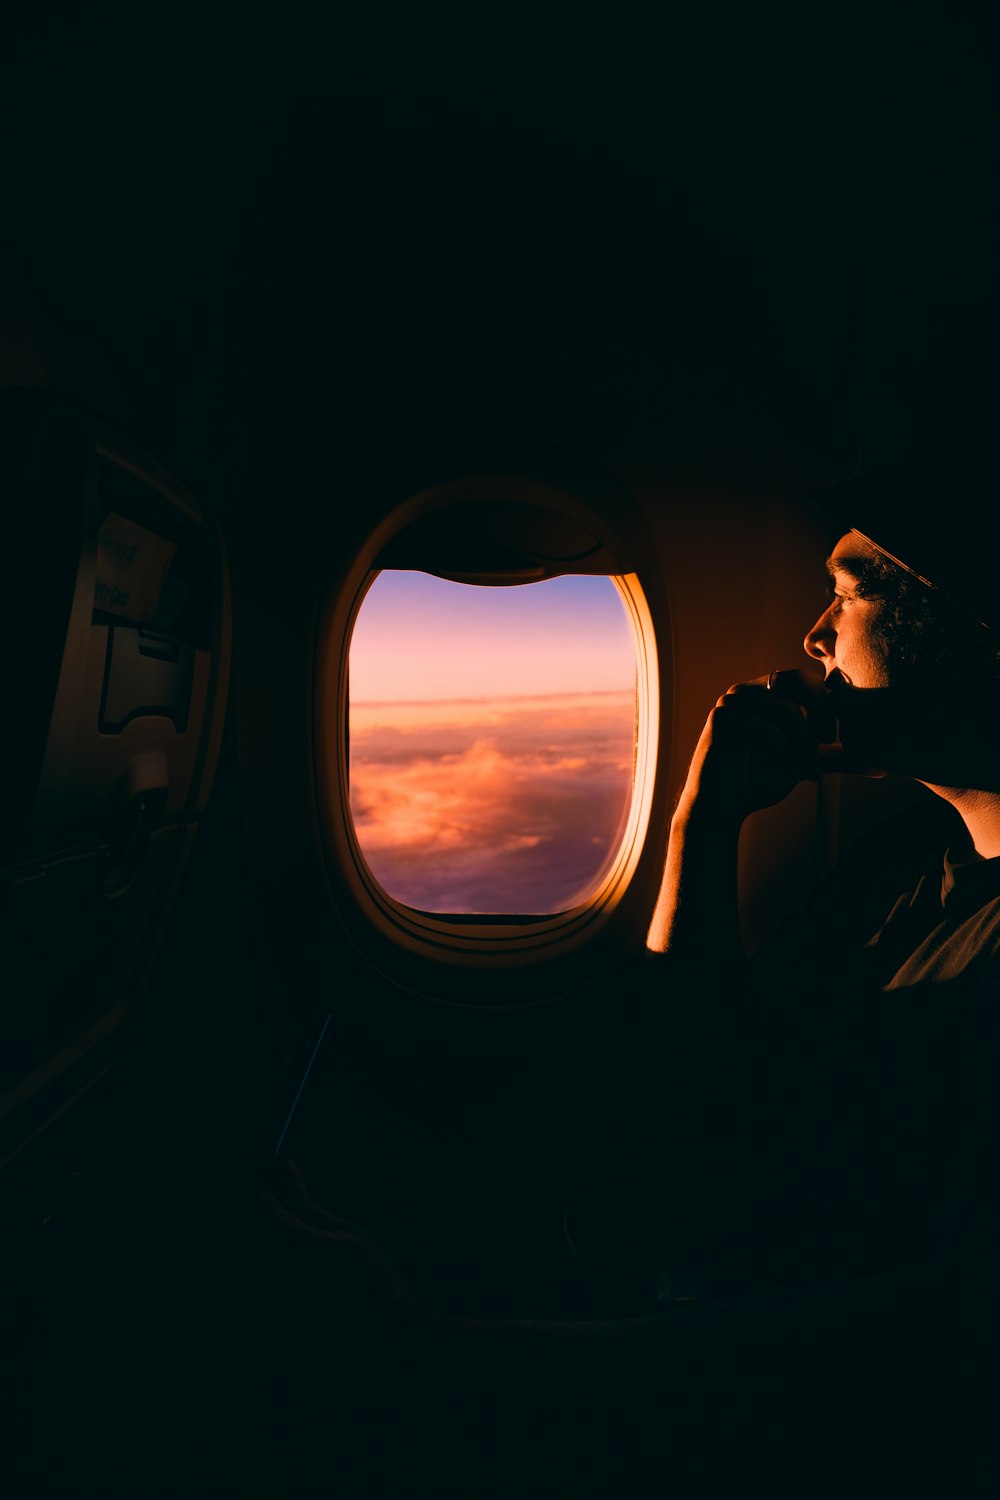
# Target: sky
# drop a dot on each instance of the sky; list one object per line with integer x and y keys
{"x": 420, "y": 638}
{"x": 491, "y": 740}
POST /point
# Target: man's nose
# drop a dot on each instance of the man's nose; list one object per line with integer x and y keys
{"x": 819, "y": 640}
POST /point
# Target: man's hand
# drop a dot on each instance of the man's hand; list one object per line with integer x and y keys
{"x": 760, "y": 740}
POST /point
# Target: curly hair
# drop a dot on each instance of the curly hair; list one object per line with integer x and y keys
{"x": 921, "y": 630}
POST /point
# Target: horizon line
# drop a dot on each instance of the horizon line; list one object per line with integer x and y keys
{"x": 492, "y": 699}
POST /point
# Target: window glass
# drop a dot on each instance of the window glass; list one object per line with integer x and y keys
{"x": 491, "y": 740}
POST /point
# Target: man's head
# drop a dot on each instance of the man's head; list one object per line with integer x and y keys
{"x": 911, "y": 671}
{"x": 910, "y": 631}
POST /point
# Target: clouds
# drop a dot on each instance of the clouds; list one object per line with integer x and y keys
{"x": 514, "y": 806}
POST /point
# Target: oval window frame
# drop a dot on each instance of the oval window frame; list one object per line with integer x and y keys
{"x": 436, "y": 950}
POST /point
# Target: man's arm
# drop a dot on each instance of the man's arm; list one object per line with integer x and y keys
{"x": 697, "y": 909}
{"x": 754, "y": 748}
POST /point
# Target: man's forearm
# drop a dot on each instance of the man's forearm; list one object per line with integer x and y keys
{"x": 697, "y": 911}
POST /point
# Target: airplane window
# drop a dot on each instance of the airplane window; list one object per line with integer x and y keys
{"x": 492, "y": 740}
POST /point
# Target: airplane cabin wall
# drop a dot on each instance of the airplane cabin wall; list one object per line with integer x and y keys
{"x": 738, "y": 550}
{"x": 256, "y": 949}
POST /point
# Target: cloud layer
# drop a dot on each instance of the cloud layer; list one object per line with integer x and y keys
{"x": 511, "y": 807}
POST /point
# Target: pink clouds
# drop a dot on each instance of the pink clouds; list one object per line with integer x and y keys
{"x": 502, "y": 807}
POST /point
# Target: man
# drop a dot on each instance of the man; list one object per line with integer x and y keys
{"x": 869, "y": 1012}
{"x": 840, "y": 1084}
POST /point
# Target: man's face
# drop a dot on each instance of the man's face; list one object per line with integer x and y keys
{"x": 885, "y": 720}
{"x": 891, "y": 717}
{"x": 843, "y": 638}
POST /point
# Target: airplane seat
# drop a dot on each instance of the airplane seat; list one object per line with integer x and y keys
{"x": 116, "y": 685}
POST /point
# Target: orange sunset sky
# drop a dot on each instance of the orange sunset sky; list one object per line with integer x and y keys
{"x": 491, "y": 740}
